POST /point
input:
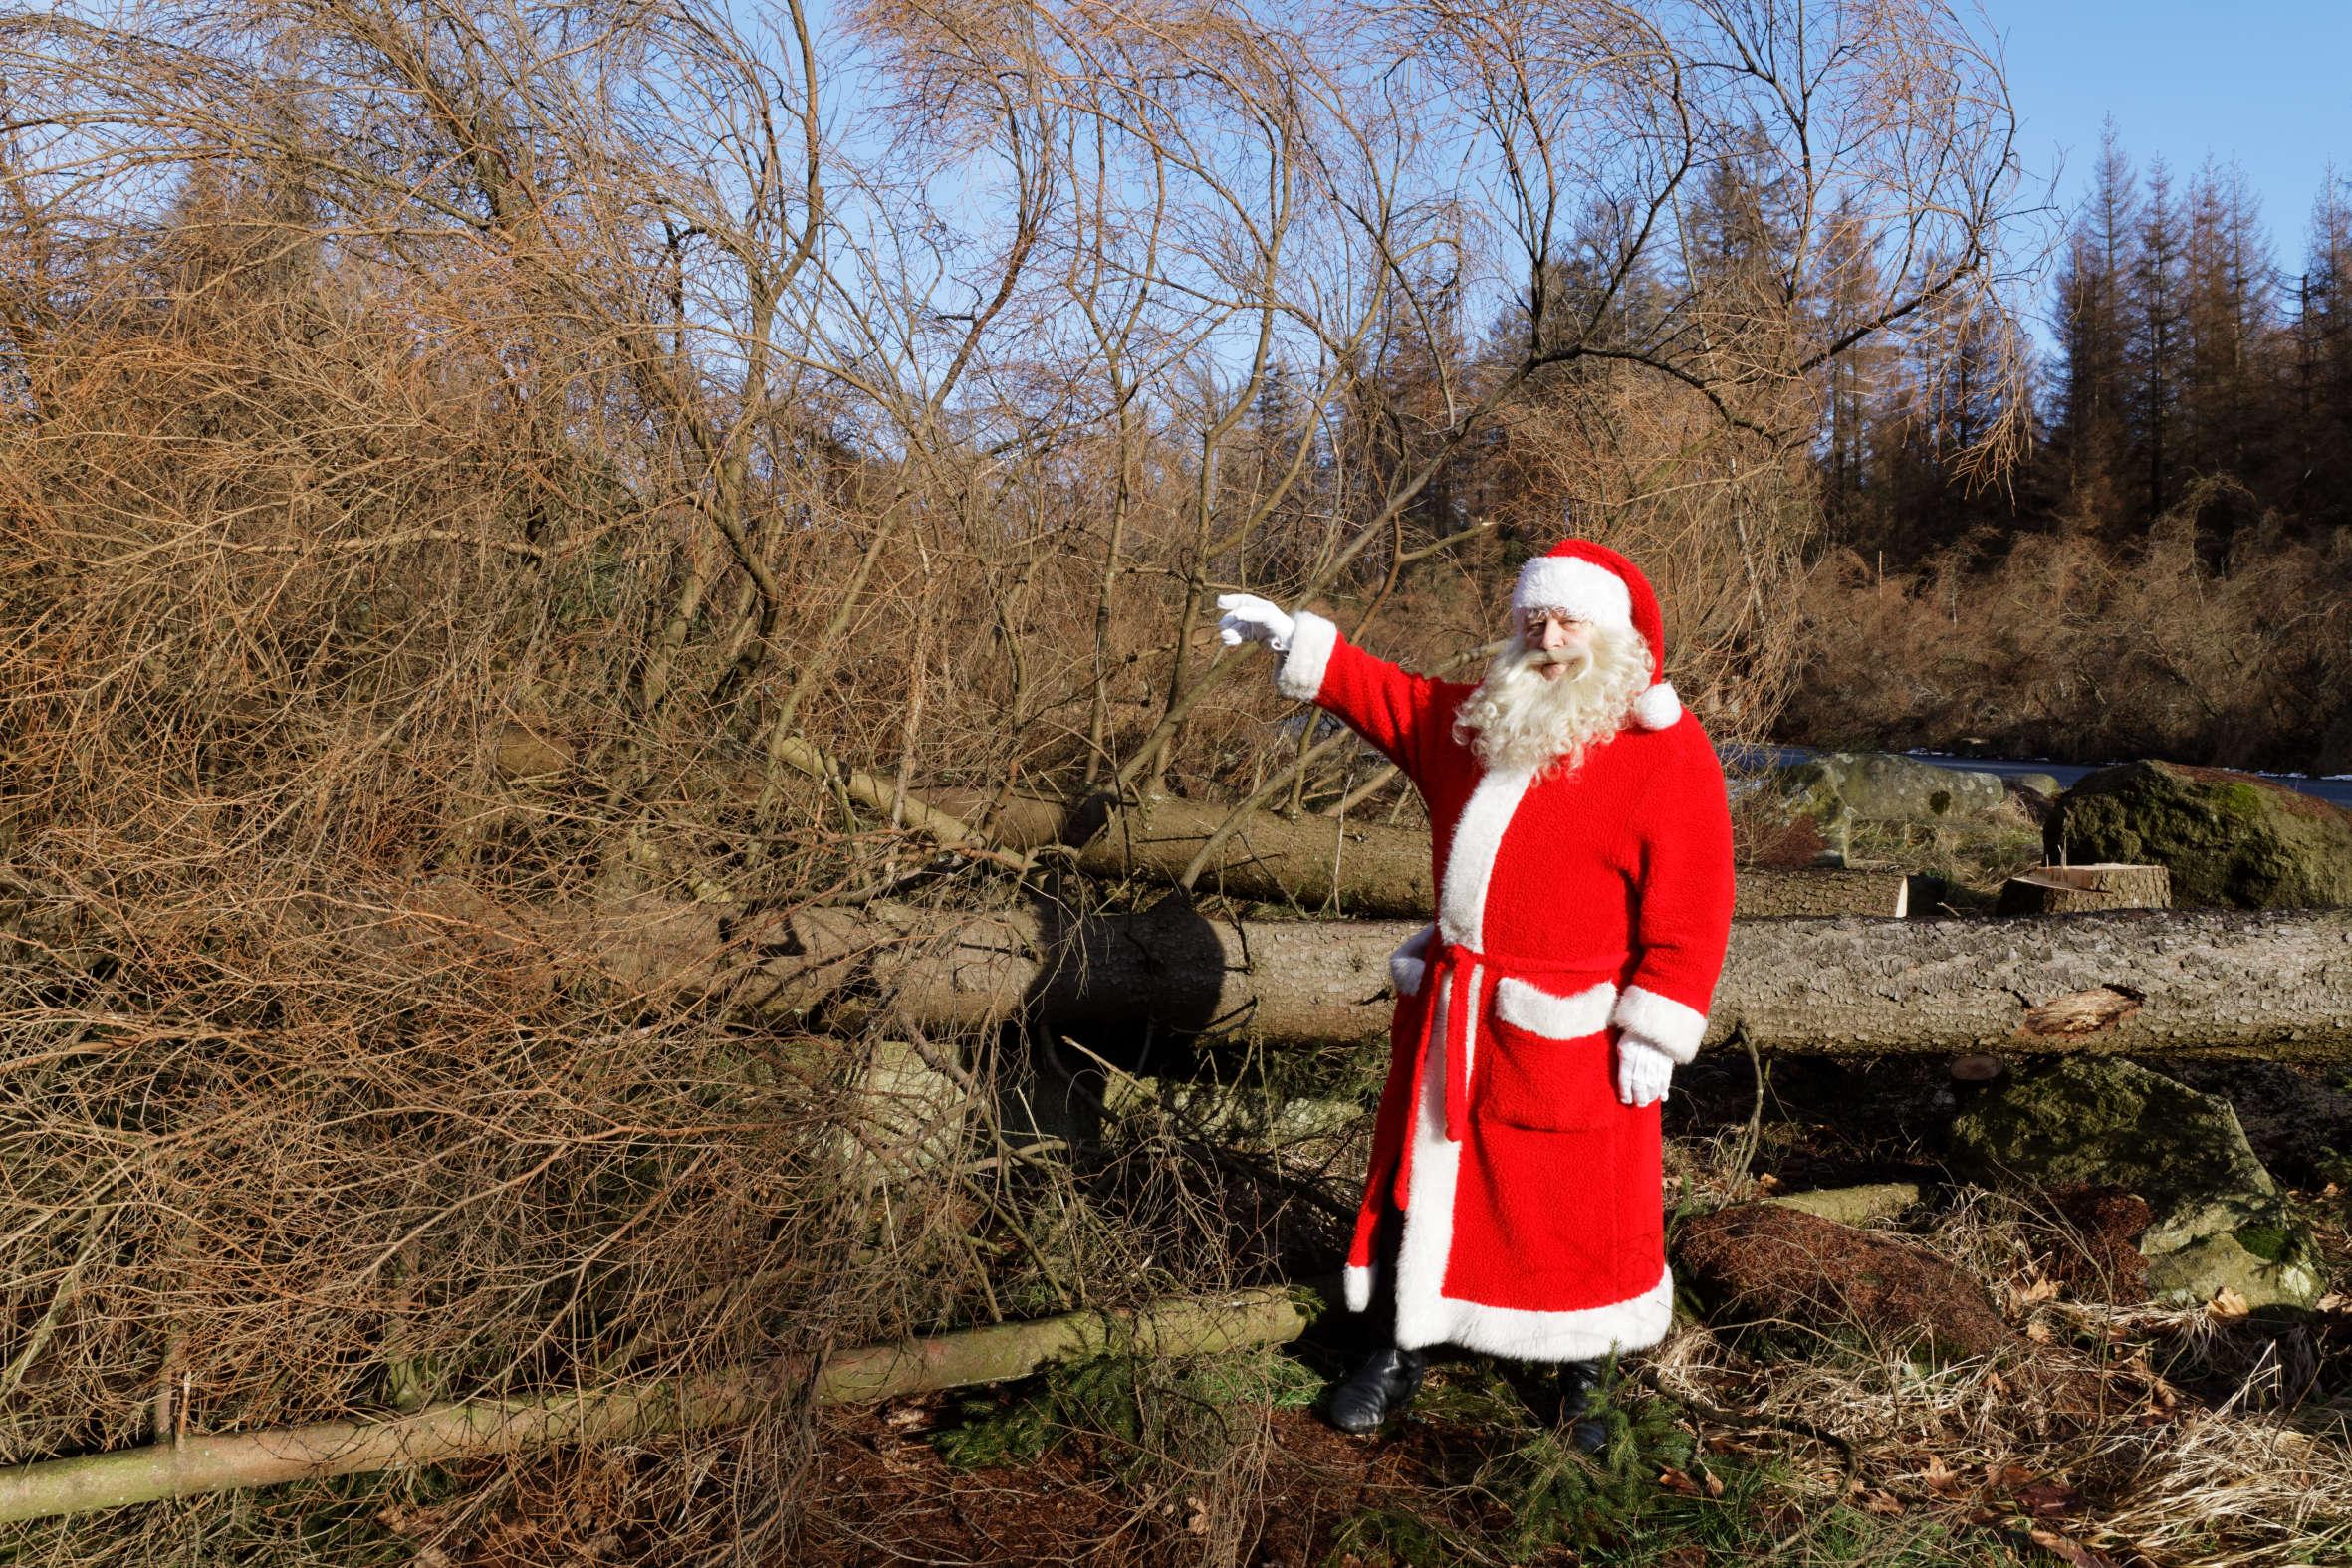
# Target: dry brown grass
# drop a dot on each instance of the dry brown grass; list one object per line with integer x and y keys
{"x": 2169, "y": 1433}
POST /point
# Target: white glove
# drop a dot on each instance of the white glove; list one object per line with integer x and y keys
{"x": 1248, "y": 619}
{"x": 1643, "y": 1071}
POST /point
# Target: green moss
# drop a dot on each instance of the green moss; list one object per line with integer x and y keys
{"x": 2269, "y": 1243}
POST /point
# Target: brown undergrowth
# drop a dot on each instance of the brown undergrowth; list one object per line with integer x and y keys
{"x": 2080, "y": 650}
{"x": 486, "y": 491}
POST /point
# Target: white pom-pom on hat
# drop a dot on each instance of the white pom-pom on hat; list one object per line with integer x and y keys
{"x": 1659, "y": 708}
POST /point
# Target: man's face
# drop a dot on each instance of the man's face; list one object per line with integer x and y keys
{"x": 1567, "y": 640}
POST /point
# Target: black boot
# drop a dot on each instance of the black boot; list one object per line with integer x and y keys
{"x": 1382, "y": 1386}
{"x": 1579, "y": 1406}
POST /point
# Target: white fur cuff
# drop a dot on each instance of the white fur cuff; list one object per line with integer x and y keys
{"x": 1410, "y": 961}
{"x": 1357, "y": 1283}
{"x": 1301, "y": 674}
{"x": 1661, "y": 1021}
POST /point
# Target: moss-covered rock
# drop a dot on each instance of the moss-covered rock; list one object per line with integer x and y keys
{"x": 2282, "y": 1268}
{"x": 2228, "y": 838}
{"x": 2216, "y": 1218}
{"x": 1886, "y": 786}
{"x": 2093, "y": 1120}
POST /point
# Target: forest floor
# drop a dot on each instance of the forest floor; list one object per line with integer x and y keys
{"x": 2110, "y": 1434}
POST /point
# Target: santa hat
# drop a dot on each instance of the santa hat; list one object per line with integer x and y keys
{"x": 1594, "y": 583}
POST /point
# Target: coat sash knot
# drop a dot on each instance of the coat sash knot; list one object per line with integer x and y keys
{"x": 1454, "y": 973}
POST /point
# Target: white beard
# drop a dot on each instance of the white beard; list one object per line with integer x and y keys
{"x": 1518, "y": 719}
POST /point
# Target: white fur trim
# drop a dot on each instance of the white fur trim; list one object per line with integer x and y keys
{"x": 1569, "y": 1018}
{"x": 1409, "y": 963}
{"x": 1357, "y": 1283}
{"x": 1301, "y": 674}
{"x": 1661, "y": 1021}
{"x": 1470, "y": 864}
{"x": 1425, "y": 1315}
{"x": 1659, "y": 708}
{"x": 1578, "y": 586}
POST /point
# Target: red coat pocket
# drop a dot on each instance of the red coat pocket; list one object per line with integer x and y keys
{"x": 1545, "y": 1084}
{"x": 1548, "y": 1060}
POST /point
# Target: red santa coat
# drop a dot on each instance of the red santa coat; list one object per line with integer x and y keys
{"x": 1571, "y": 908}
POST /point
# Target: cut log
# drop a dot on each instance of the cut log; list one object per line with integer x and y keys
{"x": 2275, "y": 985}
{"x": 1282, "y": 981}
{"x": 233, "y": 1461}
{"x": 1759, "y": 893}
{"x": 2262, "y": 984}
{"x": 2069, "y": 890}
{"x": 1365, "y": 869}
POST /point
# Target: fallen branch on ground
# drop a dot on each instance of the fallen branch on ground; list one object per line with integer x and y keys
{"x": 233, "y": 1461}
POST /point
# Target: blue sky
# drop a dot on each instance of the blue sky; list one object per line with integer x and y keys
{"x": 2262, "y": 81}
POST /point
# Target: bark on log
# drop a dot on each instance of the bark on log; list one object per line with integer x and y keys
{"x": 1283, "y": 980}
{"x": 232, "y": 1461}
{"x": 1358, "y": 869}
{"x": 2273, "y": 983}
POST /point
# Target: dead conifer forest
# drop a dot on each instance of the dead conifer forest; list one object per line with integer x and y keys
{"x": 601, "y": 605}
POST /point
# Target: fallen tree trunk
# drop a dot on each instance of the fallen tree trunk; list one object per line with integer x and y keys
{"x": 231, "y": 1461}
{"x": 1319, "y": 863}
{"x": 2272, "y": 984}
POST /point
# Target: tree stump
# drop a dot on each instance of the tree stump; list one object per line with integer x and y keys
{"x": 2069, "y": 890}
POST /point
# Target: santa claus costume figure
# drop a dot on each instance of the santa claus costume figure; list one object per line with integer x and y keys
{"x": 1581, "y": 849}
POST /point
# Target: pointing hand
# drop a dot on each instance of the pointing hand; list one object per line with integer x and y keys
{"x": 1248, "y": 619}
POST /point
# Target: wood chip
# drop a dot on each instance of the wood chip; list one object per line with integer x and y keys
{"x": 2081, "y": 1012}
{"x": 1676, "y": 1481}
